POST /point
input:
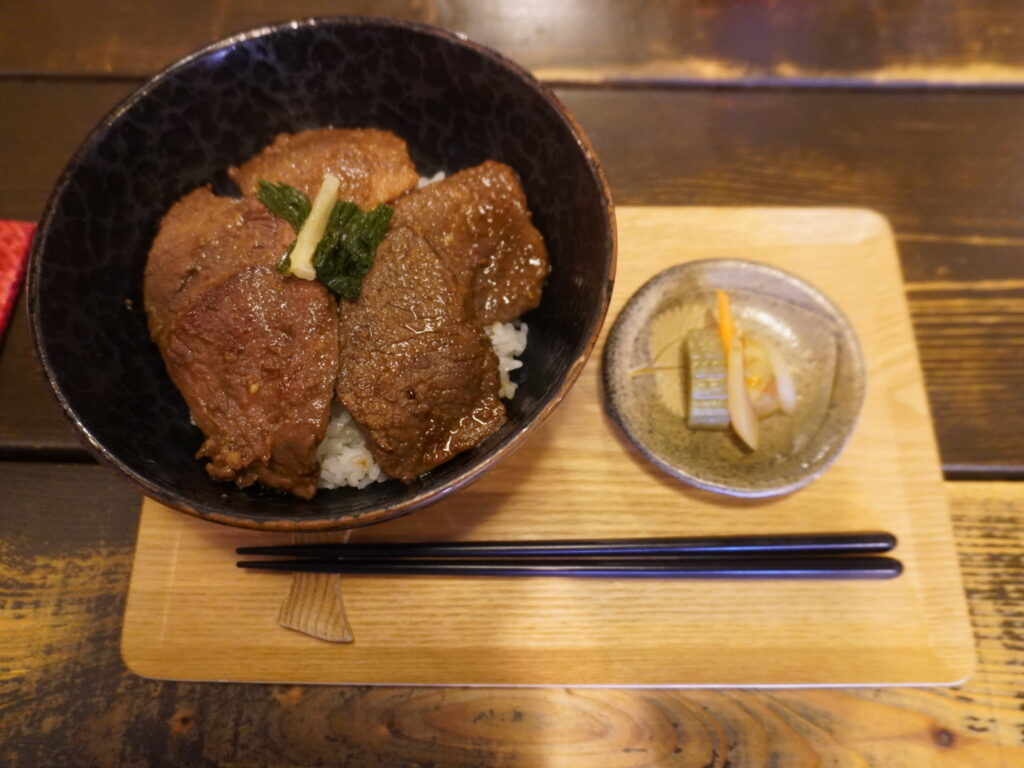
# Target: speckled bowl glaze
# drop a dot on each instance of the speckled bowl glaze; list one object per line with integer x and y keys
{"x": 455, "y": 103}
{"x": 811, "y": 333}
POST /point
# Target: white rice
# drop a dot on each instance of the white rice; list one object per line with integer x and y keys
{"x": 509, "y": 342}
{"x": 426, "y": 181}
{"x": 344, "y": 458}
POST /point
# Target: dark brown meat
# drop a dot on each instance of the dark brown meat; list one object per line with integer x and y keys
{"x": 256, "y": 357}
{"x": 373, "y": 166}
{"x": 254, "y": 354}
{"x": 417, "y": 371}
{"x": 477, "y": 220}
{"x": 203, "y": 240}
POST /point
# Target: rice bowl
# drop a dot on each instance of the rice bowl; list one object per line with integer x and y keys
{"x": 83, "y": 288}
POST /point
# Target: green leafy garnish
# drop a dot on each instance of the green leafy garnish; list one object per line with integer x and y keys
{"x": 348, "y": 246}
{"x": 347, "y": 249}
{"x": 284, "y": 264}
{"x": 285, "y": 201}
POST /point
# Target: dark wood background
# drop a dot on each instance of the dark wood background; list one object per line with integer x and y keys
{"x": 932, "y": 41}
{"x": 914, "y": 108}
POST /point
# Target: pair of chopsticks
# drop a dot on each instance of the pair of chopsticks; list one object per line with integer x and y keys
{"x": 773, "y": 556}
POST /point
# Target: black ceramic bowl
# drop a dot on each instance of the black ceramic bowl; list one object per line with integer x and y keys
{"x": 455, "y": 103}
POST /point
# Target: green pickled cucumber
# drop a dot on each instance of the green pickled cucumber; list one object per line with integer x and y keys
{"x": 708, "y": 406}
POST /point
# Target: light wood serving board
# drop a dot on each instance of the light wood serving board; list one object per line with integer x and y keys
{"x": 192, "y": 615}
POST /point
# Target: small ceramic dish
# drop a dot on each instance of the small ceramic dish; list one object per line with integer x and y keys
{"x": 644, "y": 377}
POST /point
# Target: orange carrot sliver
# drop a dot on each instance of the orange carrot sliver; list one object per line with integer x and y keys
{"x": 726, "y": 326}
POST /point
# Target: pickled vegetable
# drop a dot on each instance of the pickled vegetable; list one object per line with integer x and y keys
{"x": 734, "y": 379}
{"x": 784, "y": 385}
{"x": 708, "y": 406}
{"x": 726, "y": 326}
{"x": 741, "y": 412}
{"x": 759, "y": 377}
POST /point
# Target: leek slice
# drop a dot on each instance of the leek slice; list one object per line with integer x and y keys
{"x": 313, "y": 229}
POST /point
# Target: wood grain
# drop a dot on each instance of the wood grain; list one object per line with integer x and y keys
{"x": 31, "y": 423}
{"x": 577, "y": 478}
{"x": 31, "y": 159}
{"x": 315, "y": 603}
{"x": 790, "y": 41}
{"x": 67, "y": 699}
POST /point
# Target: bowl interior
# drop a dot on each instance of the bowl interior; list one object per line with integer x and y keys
{"x": 455, "y": 103}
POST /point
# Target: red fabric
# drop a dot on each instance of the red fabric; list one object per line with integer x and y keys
{"x": 15, "y": 238}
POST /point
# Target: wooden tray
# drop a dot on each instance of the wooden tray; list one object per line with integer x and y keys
{"x": 192, "y": 615}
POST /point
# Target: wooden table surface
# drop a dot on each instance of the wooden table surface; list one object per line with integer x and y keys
{"x": 914, "y": 108}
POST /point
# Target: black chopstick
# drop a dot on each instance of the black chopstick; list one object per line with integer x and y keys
{"x": 843, "y": 567}
{"x": 793, "y": 556}
{"x": 759, "y": 545}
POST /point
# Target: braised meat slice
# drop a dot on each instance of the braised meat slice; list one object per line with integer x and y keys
{"x": 373, "y": 165}
{"x": 254, "y": 354}
{"x": 477, "y": 220}
{"x": 256, "y": 358}
{"x": 417, "y": 373}
{"x": 204, "y": 239}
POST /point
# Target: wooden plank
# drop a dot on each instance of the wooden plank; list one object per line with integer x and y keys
{"x": 577, "y": 477}
{"x": 936, "y": 164}
{"x": 943, "y": 167}
{"x": 68, "y": 537}
{"x": 31, "y": 159}
{"x": 967, "y": 300}
{"x": 66, "y": 698}
{"x": 939, "y": 165}
{"x": 917, "y": 41}
{"x": 31, "y": 423}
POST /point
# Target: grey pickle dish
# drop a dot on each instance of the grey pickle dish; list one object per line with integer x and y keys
{"x": 454, "y": 102}
{"x": 812, "y": 334}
